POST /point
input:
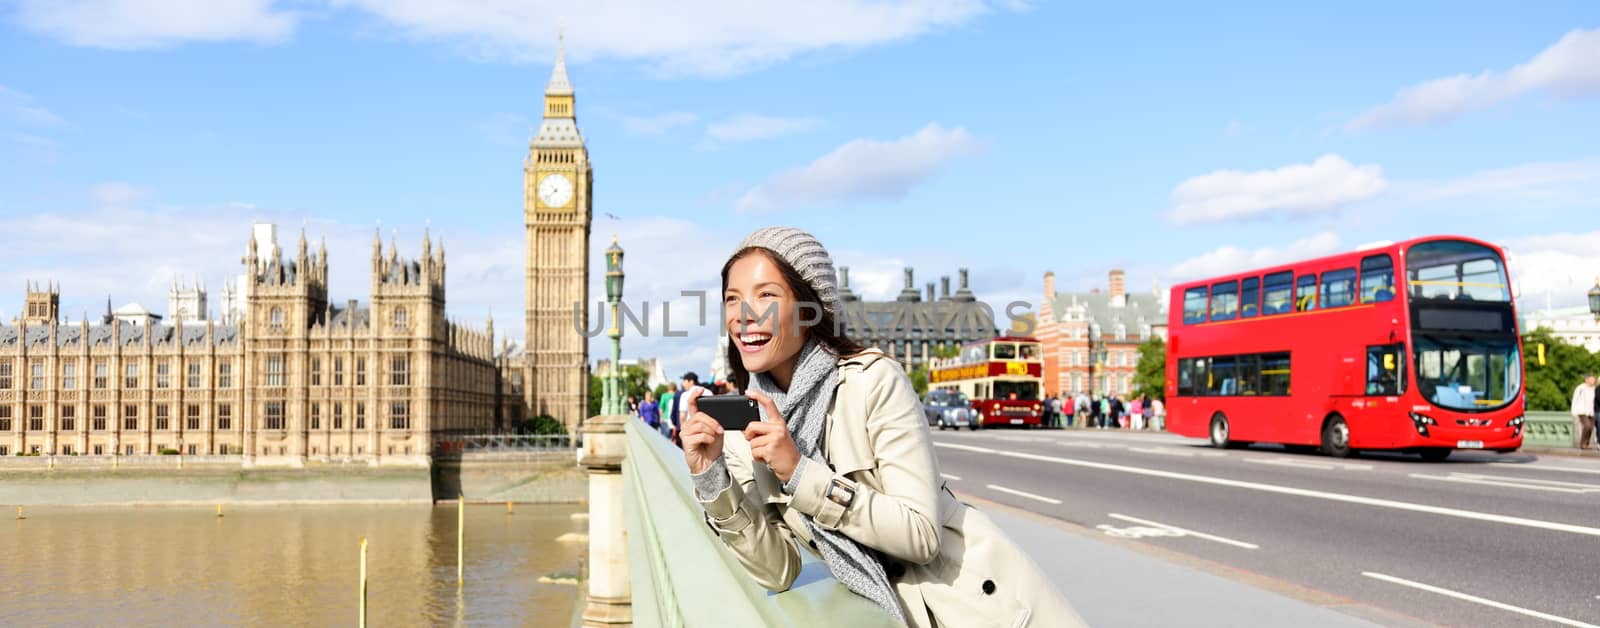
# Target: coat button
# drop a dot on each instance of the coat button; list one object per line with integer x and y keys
{"x": 988, "y": 587}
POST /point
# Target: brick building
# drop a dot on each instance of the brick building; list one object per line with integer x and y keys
{"x": 1090, "y": 340}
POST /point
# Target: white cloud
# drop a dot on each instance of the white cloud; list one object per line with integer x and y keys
{"x": 746, "y": 127}
{"x": 21, "y": 107}
{"x": 117, "y": 194}
{"x": 1324, "y": 185}
{"x": 1567, "y": 68}
{"x": 696, "y": 37}
{"x": 864, "y": 169}
{"x": 1575, "y": 181}
{"x": 657, "y": 124}
{"x": 1556, "y": 269}
{"x": 1229, "y": 259}
{"x": 141, "y": 24}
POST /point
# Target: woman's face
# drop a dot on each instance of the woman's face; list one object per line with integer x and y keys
{"x": 759, "y": 311}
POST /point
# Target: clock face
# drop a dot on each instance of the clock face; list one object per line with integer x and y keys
{"x": 555, "y": 190}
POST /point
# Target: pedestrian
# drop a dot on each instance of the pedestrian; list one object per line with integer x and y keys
{"x": 848, "y": 468}
{"x": 1146, "y": 419}
{"x": 633, "y": 405}
{"x": 1063, "y": 412}
{"x": 1160, "y": 415}
{"x": 1080, "y": 406}
{"x": 1136, "y": 414}
{"x": 1119, "y": 416}
{"x": 691, "y": 384}
{"x": 666, "y": 408}
{"x": 1583, "y": 411}
{"x": 649, "y": 412}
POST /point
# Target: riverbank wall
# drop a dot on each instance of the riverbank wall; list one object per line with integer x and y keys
{"x": 167, "y": 480}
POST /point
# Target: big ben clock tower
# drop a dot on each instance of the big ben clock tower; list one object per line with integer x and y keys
{"x": 557, "y": 206}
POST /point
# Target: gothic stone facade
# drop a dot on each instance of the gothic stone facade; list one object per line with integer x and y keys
{"x": 300, "y": 378}
{"x": 910, "y": 327}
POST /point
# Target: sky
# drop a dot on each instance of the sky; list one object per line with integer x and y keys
{"x": 139, "y": 140}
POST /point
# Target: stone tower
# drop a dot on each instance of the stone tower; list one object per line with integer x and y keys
{"x": 43, "y": 304}
{"x": 557, "y": 210}
{"x": 186, "y": 302}
{"x": 285, "y": 298}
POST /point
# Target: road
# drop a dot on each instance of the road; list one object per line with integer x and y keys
{"x": 1477, "y": 540}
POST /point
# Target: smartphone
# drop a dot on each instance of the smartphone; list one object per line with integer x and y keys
{"x": 732, "y": 411}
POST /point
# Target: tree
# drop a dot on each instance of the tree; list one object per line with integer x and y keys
{"x": 1150, "y": 375}
{"x": 542, "y": 424}
{"x": 1550, "y": 384}
{"x": 633, "y": 383}
{"x": 919, "y": 375}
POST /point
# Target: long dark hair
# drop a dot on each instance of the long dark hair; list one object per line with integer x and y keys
{"x": 825, "y": 330}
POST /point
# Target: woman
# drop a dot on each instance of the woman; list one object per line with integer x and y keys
{"x": 648, "y": 411}
{"x": 847, "y": 463}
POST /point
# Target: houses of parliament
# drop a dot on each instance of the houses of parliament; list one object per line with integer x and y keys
{"x": 286, "y": 374}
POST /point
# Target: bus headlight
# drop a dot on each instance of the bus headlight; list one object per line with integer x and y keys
{"x": 1516, "y": 426}
{"x": 1422, "y": 421}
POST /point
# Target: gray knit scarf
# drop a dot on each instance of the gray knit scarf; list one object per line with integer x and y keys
{"x": 805, "y": 407}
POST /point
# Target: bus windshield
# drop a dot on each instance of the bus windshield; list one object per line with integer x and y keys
{"x": 1467, "y": 373}
{"x": 1456, "y": 270}
{"x": 1025, "y": 391}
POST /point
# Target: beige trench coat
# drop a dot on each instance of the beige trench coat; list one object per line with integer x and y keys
{"x": 950, "y": 564}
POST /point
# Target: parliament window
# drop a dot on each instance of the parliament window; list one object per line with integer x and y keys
{"x": 361, "y": 416}
{"x": 276, "y": 317}
{"x": 162, "y": 420}
{"x": 316, "y": 416}
{"x": 69, "y": 418}
{"x": 400, "y": 415}
{"x": 97, "y": 417}
{"x": 338, "y": 416}
{"x": 361, "y": 371}
{"x": 69, "y": 376}
{"x": 37, "y": 376}
{"x": 5, "y": 418}
{"x": 338, "y": 371}
{"x": 316, "y": 371}
{"x": 36, "y": 418}
{"x": 102, "y": 374}
{"x": 274, "y": 415}
{"x": 130, "y": 375}
{"x": 194, "y": 375}
{"x": 225, "y": 375}
{"x": 130, "y": 418}
{"x": 163, "y": 374}
{"x": 192, "y": 417}
{"x": 5, "y": 375}
{"x": 399, "y": 370}
{"x": 274, "y": 370}
{"x": 400, "y": 318}
{"x": 224, "y": 416}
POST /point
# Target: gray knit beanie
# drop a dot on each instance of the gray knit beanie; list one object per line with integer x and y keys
{"x": 803, "y": 252}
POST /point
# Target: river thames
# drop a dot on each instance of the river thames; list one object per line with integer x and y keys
{"x": 287, "y": 565}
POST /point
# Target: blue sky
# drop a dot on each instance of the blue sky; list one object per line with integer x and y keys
{"x": 138, "y": 140}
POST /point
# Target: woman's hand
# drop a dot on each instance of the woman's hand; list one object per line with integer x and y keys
{"x": 702, "y": 437}
{"x": 770, "y": 441}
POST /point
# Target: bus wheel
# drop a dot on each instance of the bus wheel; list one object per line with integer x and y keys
{"x": 1336, "y": 438}
{"x": 1435, "y": 455}
{"x": 1220, "y": 432}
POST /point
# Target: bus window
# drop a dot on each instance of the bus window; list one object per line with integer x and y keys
{"x": 1224, "y": 301}
{"x": 1249, "y": 293}
{"x": 1024, "y": 391}
{"x": 1005, "y": 351}
{"x": 1339, "y": 287}
{"x": 1222, "y": 380}
{"x": 1192, "y": 376}
{"x": 1030, "y": 352}
{"x": 1194, "y": 305}
{"x": 1279, "y": 293}
{"x": 1275, "y": 374}
{"x": 1248, "y": 370}
{"x": 1305, "y": 294}
{"x": 1385, "y": 369}
{"x": 1452, "y": 269}
{"x": 1377, "y": 278}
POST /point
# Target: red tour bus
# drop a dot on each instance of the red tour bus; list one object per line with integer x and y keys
{"x": 1410, "y": 346}
{"x": 1003, "y": 377}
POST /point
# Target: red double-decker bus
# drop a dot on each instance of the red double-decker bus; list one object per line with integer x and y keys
{"x": 1003, "y": 378}
{"x": 1410, "y": 346}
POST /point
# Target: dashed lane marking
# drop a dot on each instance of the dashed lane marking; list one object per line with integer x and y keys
{"x": 1478, "y": 600}
{"x": 1290, "y": 490}
{"x": 1175, "y": 451}
{"x": 1183, "y": 531}
{"x": 1308, "y": 464}
{"x": 1047, "y": 500}
{"x": 1512, "y": 482}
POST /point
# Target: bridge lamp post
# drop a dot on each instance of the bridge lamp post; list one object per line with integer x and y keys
{"x": 613, "y": 396}
{"x": 1594, "y": 299}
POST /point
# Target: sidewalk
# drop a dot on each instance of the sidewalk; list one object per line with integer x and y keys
{"x": 1115, "y": 583}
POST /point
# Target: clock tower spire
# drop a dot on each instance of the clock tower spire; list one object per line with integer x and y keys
{"x": 557, "y": 210}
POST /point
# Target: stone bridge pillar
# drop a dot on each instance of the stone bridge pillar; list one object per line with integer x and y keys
{"x": 609, "y": 598}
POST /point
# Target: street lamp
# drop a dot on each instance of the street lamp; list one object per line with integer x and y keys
{"x": 613, "y": 399}
{"x": 1594, "y": 299}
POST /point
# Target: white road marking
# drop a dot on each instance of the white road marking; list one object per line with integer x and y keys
{"x": 1047, "y": 500}
{"x": 1136, "y": 532}
{"x": 1478, "y": 600}
{"x": 1546, "y": 467}
{"x": 1186, "y": 452}
{"x": 1092, "y": 445}
{"x": 1290, "y": 490}
{"x": 1186, "y": 532}
{"x": 1021, "y": 439}
{"x": 1512, "y": 482}
{"x": 1308, "y": 464}
{"x": 949, "y": 477}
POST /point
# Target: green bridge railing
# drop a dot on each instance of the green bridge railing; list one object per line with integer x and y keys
{"x": 1548, "y": 429}
{"x": 682, "y": 575}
